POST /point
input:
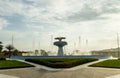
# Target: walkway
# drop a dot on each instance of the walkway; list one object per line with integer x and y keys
{"x": 63, "y": 69}
{"x": 7, "y": 76}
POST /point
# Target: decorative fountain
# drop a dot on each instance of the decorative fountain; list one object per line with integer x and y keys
{"x": 60, "y": 45}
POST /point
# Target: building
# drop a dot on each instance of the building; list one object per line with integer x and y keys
{"x": 24, "y": 54}
{"x": 113, "y": 52}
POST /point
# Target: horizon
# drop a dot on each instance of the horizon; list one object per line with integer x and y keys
{"x": 87, "y": 25}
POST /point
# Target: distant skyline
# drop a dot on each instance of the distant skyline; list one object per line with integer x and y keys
{"x": 33, "y": 22}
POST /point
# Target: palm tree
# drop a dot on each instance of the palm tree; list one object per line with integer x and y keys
{"x": 10, "y": 49}
{"x": 44, "y": 53}
{"x": 36, "y": 52}
{"x": 15, "y": 52}
{"x": 1, "y": 46}
{"x": 5, "y": 53}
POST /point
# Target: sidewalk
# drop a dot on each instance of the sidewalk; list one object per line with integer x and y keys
{"x": 63, "y": 69}
{"x": 114, "y": 76}
{"x": 7, "y": 76}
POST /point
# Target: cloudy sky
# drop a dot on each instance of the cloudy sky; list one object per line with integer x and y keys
{"x": 33, "y": 22}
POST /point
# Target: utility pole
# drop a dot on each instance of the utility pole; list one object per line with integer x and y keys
{"x": 118, "y": 45}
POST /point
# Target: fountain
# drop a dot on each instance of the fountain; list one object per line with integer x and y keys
{"x": 60, "y": 45}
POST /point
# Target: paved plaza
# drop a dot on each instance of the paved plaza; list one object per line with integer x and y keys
{"x": 82, "y": 71}
{"x": 87, "y": 72}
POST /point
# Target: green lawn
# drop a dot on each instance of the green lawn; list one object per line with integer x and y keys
{"x": 61, "y": 62}
{"x": 108, "y": 63}
{"x": 8, "y": 64}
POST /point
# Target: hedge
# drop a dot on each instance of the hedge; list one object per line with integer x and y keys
{"x": 61, "y": 62}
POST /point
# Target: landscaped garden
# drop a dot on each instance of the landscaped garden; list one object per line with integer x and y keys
{"x": 113, "y": 63}
{"x": 61, "y": 62}
{"x": 9, "y": 64}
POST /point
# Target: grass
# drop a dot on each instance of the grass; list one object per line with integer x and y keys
{"x": 8, "y": 64}
{"x": 108, "y": 64}
{"x": 61, "y": 62}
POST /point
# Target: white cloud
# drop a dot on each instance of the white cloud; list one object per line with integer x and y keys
{"x": 11, "y": 7}
{"x": 62, "y": 9}
{"x": 3, "y": 23}
{"x": 91, "y": 19}
{"x": 91, "y": 10}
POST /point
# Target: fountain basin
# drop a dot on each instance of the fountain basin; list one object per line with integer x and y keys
{"x": 82, "y": 56}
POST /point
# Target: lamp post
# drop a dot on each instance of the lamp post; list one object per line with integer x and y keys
{"x": 118, "y": 45}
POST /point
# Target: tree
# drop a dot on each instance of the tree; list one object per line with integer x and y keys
{"x": 1, "y": 46}
{"x": 15, "y": 52}
{"x": 5, "y": 53}
{"x": 10, "y": 49}
{"x": 44, "y": 53}
{"x": 36, "y": 52}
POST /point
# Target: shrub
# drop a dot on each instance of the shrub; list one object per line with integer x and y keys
{"x": 2, "y": 58}
{"x": 61, "y": 62}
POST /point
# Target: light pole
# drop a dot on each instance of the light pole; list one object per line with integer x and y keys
{"x": 118, "y": 45}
